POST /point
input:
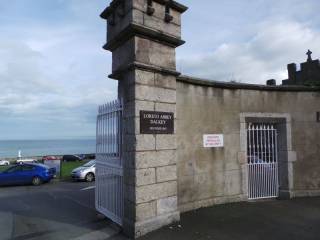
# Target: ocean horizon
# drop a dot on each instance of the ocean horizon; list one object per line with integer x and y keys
{"x": 31, "y": 148}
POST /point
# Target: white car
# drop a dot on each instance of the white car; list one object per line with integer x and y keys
{"x": 85, "y": 172}
{"x": 4, "y": 163}
{"x": 26, "y": 160}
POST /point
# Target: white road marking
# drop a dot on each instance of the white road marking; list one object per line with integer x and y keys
{"x": 88, "y": 188}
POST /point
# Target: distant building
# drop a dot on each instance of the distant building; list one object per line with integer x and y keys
{"x": 309, "y": 73}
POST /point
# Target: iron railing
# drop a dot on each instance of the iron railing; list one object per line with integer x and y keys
{"x": 109, "y": 165}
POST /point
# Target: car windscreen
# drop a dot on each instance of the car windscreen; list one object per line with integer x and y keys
{"x": 27, "y": 167}
{"x": 42, "y": 165}
{"x": 13, "y": 169}
{"x": 89, "y": 164}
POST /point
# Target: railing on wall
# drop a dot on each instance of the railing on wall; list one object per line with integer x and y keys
{"x": 109, "y": 163}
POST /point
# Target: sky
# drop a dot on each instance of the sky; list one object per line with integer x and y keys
{"x": 53, "y": 70}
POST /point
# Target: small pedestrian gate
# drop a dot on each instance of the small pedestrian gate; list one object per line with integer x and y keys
{"x": 109, "y": 197}
{"x": 262, "y": 159}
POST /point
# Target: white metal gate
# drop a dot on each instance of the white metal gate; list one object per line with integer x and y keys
{"x": 262, "y": 159}
{"x": 109, "y": 165}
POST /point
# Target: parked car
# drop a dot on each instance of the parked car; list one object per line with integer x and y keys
{"x": 4, "y": 163}
{"x": 49, "y": 158}
{"x": 27, "y": 160}
{"x": 91, "y": 156}
{"x": 71, "y": 158}
{"x": 82, "y": 156}
{"x": 85, "y": 172}
{"x": 30, "y": 173}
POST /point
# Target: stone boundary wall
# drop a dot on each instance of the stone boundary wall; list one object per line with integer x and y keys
{"x": 248, "y": 86}
{"x": 165, "y": 174}
{"x": 214, "y": 176}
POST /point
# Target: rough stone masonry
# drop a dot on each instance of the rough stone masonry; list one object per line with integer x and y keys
{"x": 142, "y": 36}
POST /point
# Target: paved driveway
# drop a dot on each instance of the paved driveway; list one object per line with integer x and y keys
{"x": 66, "y": 211}
{"x": 58, "y": 210}
{"x": 297, "y": 219}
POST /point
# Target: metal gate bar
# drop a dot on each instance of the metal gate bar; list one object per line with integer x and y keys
{"x": 109, "y": 167}
{"x": 262, "y": 161}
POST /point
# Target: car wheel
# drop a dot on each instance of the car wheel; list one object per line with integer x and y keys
{"x": 36, "y": 181}
{"x": 89, "y": 177}
{"x": 7, "y": 164}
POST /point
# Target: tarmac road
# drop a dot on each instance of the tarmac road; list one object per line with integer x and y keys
{"x": 65, "y": 210}
{"x": 58, "y": 210}
{"x": 295, "y": 219}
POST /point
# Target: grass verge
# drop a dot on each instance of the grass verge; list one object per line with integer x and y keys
{"x": 67, "y": 167}
{"x": 2, "y": 168}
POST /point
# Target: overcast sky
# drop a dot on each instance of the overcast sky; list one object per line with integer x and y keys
{"x": 53, "y": 71}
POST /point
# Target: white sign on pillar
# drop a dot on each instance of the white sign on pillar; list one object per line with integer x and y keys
{"x": 213, "y": 140}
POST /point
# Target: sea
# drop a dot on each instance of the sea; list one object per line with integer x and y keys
{"x": 31, "y": 148}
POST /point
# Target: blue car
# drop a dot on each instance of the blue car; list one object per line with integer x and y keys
{"x": 31, "y": 173}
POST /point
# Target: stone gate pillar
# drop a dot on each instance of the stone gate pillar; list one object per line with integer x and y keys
{"x": 142, "y": 36}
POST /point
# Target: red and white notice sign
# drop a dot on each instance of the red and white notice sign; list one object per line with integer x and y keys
{"x": 213, "y": 140}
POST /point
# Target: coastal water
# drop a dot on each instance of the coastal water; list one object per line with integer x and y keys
{"x": 10, "y": 148}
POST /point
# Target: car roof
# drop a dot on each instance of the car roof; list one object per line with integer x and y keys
{"x": 33, "y": 164}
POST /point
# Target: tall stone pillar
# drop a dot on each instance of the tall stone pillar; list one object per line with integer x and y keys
{"x": 142, "y": 36}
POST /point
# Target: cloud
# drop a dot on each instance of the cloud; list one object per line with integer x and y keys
{"x": 53, "y": 71}
{"x": 36, "y": 99}
{"x": 53, "y": 78}
{"x": 265, "y": 55}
